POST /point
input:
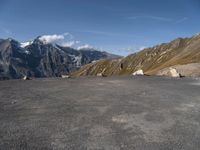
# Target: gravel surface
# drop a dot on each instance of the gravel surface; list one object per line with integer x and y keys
{"x": 114, "y": 113}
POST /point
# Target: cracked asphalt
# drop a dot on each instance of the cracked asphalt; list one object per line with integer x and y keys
{"x": 91, "y": 113}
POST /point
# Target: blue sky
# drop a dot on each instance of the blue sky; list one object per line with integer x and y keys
{"x": 118, "y": 26}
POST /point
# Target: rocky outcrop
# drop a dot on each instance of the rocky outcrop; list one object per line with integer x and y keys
{"x": 170, "y": 72}
{"x": 187, "y": 70}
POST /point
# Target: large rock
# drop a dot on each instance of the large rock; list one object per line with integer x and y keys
{"x": 186, "y": 70}
{"x": 170, "y": 72}
{"x": 138, "y": 72}
{"x": 189, "y": 70}
{"x": 173, "y": 72}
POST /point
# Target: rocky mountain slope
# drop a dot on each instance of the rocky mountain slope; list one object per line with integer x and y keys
{"x": 180, "y": 51}
{"x": 37, "y": 59}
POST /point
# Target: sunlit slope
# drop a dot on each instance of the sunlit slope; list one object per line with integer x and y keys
{"x": 150, "y": 60}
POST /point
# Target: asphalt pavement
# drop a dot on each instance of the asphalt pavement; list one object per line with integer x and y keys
{"x": 95, "y": 113}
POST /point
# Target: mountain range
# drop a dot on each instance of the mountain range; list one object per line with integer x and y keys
{"x": 39, "y": 59}
{"x": 181, "y": 53}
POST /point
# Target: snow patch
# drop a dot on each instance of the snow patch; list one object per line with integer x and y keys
{"x": 24, "y": 44}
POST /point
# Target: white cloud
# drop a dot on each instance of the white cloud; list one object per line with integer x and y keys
{"x": 51, "y": 38}
{"x": 70, "y": 43}
{"x": 86, "y": 46}
{"x": 65, "y": 39}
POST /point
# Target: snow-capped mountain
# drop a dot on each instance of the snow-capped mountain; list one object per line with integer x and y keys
{"x": 41, "y": 59}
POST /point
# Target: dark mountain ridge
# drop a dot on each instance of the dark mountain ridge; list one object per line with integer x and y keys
{"x": 38, "y": 59}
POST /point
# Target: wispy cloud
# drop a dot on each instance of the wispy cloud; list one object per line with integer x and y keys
{"x": 158, "y": 18}
{"x": 181, "y": 20}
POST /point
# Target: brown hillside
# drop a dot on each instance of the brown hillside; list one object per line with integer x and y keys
{"x": 150, "y": 60}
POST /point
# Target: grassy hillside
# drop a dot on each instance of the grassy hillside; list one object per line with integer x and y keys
{"x": 150, "y": 60}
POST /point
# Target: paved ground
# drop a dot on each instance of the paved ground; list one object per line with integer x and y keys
{"x": 126, "y": 113}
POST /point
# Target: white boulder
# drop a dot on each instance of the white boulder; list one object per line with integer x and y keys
{"x": 138, "y": 72}
{"x": 173, "y": 73}
{"x": 26, "y": 78}
{"x": 65, "y": 76}
{"x": 170, "y": 72}
{"x": 101, "y": 75}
